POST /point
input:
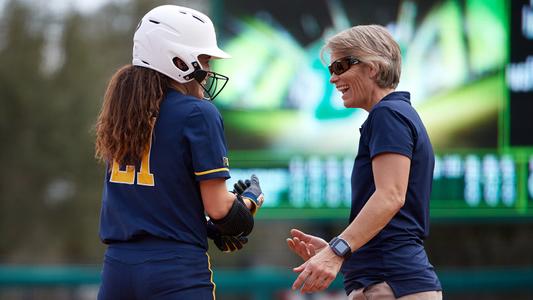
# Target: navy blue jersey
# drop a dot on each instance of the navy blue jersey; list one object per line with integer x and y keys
{"x": 396, "y": 254}
{"x": 161, "y": 197}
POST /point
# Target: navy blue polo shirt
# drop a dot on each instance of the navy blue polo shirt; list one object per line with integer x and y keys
{"x": 160, "y": 197}
{"x": 396, "y": 254}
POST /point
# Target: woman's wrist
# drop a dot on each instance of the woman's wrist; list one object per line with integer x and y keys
{"x": 248, "y": 203}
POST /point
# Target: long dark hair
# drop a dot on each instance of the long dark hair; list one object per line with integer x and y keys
{"x": 128, "y": 114}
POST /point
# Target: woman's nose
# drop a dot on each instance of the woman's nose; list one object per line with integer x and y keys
{"x": 334, "y": 77}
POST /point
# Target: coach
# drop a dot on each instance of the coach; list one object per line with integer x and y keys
{"x": 381, "y": 252}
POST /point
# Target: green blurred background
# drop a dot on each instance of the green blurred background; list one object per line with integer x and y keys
{"x": 462, "y": 61}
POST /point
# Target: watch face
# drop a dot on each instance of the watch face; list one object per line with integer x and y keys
{"x": 341, "y": 247}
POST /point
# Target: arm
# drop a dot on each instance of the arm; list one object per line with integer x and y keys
{"x": 216, "y": 198}
{"x": 231, "y": 214}
{"x": 391, "y": 175}
{"x": 217, "y": 203}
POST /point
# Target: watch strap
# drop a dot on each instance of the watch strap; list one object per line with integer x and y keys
{"x": 340, "y": 247}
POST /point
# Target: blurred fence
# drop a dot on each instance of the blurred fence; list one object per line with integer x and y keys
{"x": 258, "y": 283}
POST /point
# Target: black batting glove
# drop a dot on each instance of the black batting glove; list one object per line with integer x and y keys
{"x": 240, "y": 186}
{"x": 228, "y": 243}
{"x": 225, "y": 243}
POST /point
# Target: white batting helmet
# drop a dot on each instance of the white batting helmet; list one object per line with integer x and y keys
{"x": 170, "y": 31}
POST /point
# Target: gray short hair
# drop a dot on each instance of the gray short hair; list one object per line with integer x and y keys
{"x": 373, "y": 45}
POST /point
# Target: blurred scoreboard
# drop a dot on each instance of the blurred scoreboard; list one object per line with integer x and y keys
{"x": 465, "y": 185}
{"x": 484, "y": 162}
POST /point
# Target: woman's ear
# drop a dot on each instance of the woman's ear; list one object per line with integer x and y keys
{"x": 372, "y": 70}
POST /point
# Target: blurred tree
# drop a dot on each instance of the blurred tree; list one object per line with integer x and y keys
{"x": 51, "y": 184}
{"x": 23, "y": 127}
{"x": 76, "y": 90}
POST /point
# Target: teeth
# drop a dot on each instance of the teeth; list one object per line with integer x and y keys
{"x": 342, "y": 89}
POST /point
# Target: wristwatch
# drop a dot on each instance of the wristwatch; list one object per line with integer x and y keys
{"x": 340, "y": 247}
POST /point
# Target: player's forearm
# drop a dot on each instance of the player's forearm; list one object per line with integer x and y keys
{"x": 376, "y": 214}
{"x": 226, "y": 201}
{"x": 221, "y": 209}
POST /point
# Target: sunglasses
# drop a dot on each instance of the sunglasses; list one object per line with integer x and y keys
{"x": 342, "y": 65}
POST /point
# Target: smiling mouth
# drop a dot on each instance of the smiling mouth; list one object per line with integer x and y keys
{"x": 342, "y": 89}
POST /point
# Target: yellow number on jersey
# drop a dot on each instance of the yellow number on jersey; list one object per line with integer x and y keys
{"x": 144, "y": 177}
{"x": 118, "y": 176}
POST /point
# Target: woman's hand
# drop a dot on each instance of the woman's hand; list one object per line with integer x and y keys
{"x": 305, "y": 245}
{"x": 317, "y": 273}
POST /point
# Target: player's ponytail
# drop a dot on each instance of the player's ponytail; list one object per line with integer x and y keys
{"x": 130, "y": 107}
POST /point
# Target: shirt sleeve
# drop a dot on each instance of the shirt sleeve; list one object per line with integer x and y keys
{"x": 205, "y": 132}
{"x": 390, "y": 132}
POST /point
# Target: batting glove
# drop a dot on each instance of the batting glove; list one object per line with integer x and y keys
{"x": 240, "y": 186}
{"x": 254, "y": 194}
{"x": 225, "y": 243}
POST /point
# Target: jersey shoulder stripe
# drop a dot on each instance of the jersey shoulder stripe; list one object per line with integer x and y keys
{"x": 211, "y": 171}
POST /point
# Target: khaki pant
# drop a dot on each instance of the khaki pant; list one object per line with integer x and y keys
{"x": 382, "y": 291}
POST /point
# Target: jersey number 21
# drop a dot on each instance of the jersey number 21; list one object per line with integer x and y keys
{"x": 144, "y": 177}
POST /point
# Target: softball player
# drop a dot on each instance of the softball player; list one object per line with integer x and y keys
{"x": 167, "y": 164}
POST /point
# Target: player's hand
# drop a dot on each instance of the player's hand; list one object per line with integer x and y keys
{"x": 305, "y": 245}
{"x": 225, "y": 243}
{"x": 240, "y": 186}
{"x": 228, "y": 243}
{"x": 254, "y": 194}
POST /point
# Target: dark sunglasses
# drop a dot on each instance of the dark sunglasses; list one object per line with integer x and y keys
{"x": 342, "y": 65}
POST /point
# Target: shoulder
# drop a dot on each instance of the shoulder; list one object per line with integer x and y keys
{"x": 390, "y": 116}
{"x": 382, "y": 110}
{"x": 206, "y": 107}
{"x": 192, "y": 105}
{"x": 204, "y": 111}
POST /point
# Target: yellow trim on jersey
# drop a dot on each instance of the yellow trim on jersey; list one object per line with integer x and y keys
{"x": 209, "y": 267}
{"x": 211, "y": 171}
